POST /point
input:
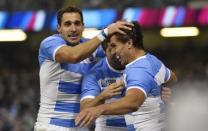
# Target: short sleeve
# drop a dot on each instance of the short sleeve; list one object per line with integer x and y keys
{"x": 140, "y": 79}
{"x": 90, "y": 86}
{"x": 167, "y": 74}
{"x": 49, "y": 47}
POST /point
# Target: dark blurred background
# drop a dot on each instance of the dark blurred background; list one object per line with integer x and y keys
{"x": 19, "y": 80}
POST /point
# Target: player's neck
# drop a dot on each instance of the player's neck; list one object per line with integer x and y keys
{"x": 136, "y": 54}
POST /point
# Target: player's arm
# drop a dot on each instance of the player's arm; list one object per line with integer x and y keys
{"x": 110, "y": 91}
{"x": 172, "y": 80}
{"x": 130, "y": 103}
{"x": 91, "y": 102}
{"x": 166, "y": 90}
{"x": 77, "y": 53}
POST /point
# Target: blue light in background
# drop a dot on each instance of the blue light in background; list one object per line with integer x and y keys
{"x": 3, "y": 19}
{"x": 132, "y": 14}
{"x": 54, "y": 23}
{"x": 26, "y": 19}
{"x": 16, "y": 20}
{"x": 99, "y": 18}
{"x": 179, "y": 20}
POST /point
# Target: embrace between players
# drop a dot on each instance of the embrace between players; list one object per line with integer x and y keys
{"x": 121, "y": 91}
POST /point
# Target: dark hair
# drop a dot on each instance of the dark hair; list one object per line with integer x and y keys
{"x": 68, "y": 9}
{"x": 105, "y": 43}
{"x": 135, "y": 34}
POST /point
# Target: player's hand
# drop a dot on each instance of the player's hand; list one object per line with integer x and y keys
{"x": 118, "y": 26}
{"x": 166, "y": 94}
{"x": 87, "y": 116}
{"x": 112, "y": 90}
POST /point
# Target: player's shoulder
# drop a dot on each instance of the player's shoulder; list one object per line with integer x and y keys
{"x": 100, "y": 65}
{"x": 52, "y": 37}
{"x": 141, "y": 62}
{"x": 56, "y": 38}
{"x": 145, "y": 61}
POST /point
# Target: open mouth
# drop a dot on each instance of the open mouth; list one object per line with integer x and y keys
{"x": 73, "y": 36}
{"x": 118, "y": 58}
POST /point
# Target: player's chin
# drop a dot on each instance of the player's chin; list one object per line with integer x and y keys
{"x": 74, "y": 41}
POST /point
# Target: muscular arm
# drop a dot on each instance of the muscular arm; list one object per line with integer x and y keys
{"x": 68, "y": 54}
{"x": 130, "y": 103}
{"x": 166, "y": 91}
{"x": 173, "y": 79}
{"x": 91, "y": 102}
{"x": 80, "y": 52}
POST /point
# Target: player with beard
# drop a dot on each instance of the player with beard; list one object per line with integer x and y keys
{"x": 99, "y": 86}
{"x": 144, "y": 76}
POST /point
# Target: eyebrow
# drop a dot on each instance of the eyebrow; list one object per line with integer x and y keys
{"x": 73, "y": 21}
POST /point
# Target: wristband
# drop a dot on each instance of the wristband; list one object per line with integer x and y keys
{"x": 103, "y": 34}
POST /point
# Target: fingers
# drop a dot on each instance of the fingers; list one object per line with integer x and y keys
{"x": 165, "y": 98}
{"x": 119, "y": 26}
{"x": 120, "y": 82}
{"x": 166, "y": 94}
{"x": 116, "y": 84}
{"x": 118, "y": 89}
{"x": 79, "y": 117}
{"x": 85, "y": 120}
{"x": 90, "y": 120}
{"x": 126, "y": 25}
{"x": 121, "y": 32}
{"x": 166, "y": 91}
{"x": 122, "y": 25}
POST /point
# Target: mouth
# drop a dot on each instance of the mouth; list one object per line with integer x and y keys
{"x": 73, "y": 36}
{"x": 118, "y": 58}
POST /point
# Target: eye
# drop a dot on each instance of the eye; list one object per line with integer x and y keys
{"x": 68, "y": 23}
{"x": 77, "y": 23}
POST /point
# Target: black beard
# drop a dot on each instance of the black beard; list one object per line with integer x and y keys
{"x": 70, "y": 44}
{"x": 116, "y": 63}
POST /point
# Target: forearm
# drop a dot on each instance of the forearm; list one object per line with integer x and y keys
{"x": 68, "y": 54}
{"x": 118, "y": 107}
{"x": 130, "y": 103}
{"x": 82, "y": 51}
{"x": 92, "y": 102}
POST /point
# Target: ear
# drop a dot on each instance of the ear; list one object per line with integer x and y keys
{"x": 130, "y": 44}
{"x": 58, "y": 28}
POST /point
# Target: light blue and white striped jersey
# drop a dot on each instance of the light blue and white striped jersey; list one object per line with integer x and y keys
{"x": 99, "y": 77}
{"x": 146, "y": 73}
{"x": 60, "y": 83}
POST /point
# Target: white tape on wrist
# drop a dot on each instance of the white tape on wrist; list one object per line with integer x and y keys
{"x": 101, "y": 37}
{"x": 103, "y": 34}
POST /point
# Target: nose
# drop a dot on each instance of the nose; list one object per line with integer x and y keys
{"x": 73, "y": 28}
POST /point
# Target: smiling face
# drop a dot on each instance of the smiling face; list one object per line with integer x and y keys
{"x": 113, "y": 61}
{"x": 71, "y": 27}
{"x": 119, "y": 50}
